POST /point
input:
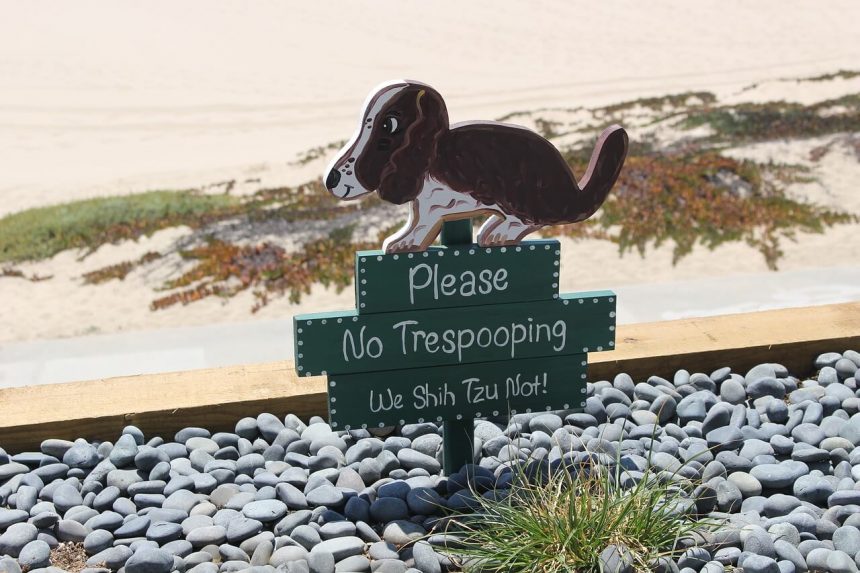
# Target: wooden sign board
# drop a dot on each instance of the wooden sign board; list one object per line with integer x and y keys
{"x": 456, "y": 276}
{"x": 482, "y": 389}
{"x": 462, "y": 330}
{"x": 397, "y": 363}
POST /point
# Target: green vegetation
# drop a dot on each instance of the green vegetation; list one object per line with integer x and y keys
{"x": 777, "y": 120}
{"x": 841, "y": 74}
{"x": 120, "y": 270}
{"x": 682, "y": 193}
{"x": 225, "y": 269}
{"x": 565, "y": 523}
{"x": 700, "y": 197}
{"x": 45, "y": 231}
{"x": 673, "y": 101}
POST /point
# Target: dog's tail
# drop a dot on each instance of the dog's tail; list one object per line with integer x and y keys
{"x": 605, "y": 165}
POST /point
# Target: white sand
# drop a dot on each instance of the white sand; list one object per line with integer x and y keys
{"x": 102, "y": 98}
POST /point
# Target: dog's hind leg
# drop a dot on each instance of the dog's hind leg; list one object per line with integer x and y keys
{"x": 507, "y": 230}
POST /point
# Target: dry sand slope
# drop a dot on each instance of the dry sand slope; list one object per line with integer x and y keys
{"x": 101, "y": 99}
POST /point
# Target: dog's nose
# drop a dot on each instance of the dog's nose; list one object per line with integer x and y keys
{"x": 332, "y": 179}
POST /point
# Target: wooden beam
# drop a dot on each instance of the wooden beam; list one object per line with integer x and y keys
{"x": 216, "y": 398}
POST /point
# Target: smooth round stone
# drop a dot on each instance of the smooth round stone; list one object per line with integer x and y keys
{"x": 108, "y": 520}
{"x": 70, "y": 530}
{"x": 83, "y": 456}
{"x": 809, "y": 434}
{"x": 16, "y": 537}
{"x": 431, "y": 444}
{"x": 248, "y": 463}
{"x": 813, "y": 489}
{"x": 112, "y": 557}
{"x": 760, "y": 564}
{"x": 766, "y": 386}
{"x": 726, "y": 438}
{"x": 325, "y": 495}
{"x": 265, "y": 510}
{"x": 45, "y": 519}
{"x": 847, "y": 539}
{"x": 841, "y": 562}
{"x": 845, "y": 368}
{"x": 411, "y": 459}
{"x": 786, "y": 532}
{"x": 357, "y": 509}
{"x": 758, "y": 541}
{"x": 134, "y": 527}
{"x": 780, "y": 504}
{"x": 403, "y": 532}
{"x": 148, "y": 458}
{"x": 733, "y": 392}
{"x": 291, "y": 496}
{"x": 747, "y": 484}
{"x": 426, "y": 558}
{"x": 321, "y": 562}
{"x": 97, "y": 541}
{"x": 781, "y": 475}
{"x": 336, "y": 529}
{"x": 148, "y": 559}
{"x": 35, "y": 555}
{"x": 547, "y": 423}
{"x": 10, "y": 516}
{"x": 308, "y": 537}
{"x": 827, "y": 359}
{"x": 241, "y": 528}
{"x": 782, "y": 445}
{"x": 386, "y": 509}
{"x": 121, "y": 479}
{"x": 341, "y": 547}
{"x": 210, "y": 535}
{"x": 424, "y": 501}
{"x": 163, "y": 532}
{"x": 66, "y": 496}
{"x": 788, "y": 551}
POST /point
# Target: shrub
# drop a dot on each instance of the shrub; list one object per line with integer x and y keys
{"x": 563, "y": 522}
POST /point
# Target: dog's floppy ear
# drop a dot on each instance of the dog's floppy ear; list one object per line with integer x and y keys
{"x": 403, "y": 176}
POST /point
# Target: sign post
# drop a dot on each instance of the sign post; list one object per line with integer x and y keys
{"x": 463, "y": 330}
{"x": 458, "y": 436}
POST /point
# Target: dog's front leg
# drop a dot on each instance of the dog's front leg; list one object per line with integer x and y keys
{"x": 418, "y": 232}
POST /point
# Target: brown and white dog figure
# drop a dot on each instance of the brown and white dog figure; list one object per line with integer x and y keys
{"x": 405, "y": 150}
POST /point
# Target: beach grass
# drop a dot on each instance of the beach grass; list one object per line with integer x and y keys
{"x": 43, "y": 232}
{"x": 564, "y": 520}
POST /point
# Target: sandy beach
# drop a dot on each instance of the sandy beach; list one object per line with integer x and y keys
{"x": 102, "y": 99}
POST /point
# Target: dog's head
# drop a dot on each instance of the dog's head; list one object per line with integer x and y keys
{"x": 394, "y": 145}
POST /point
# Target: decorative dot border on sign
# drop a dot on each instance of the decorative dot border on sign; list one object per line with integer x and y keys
{"x": 364, "y": 261}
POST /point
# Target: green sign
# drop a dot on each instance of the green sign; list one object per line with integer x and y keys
{"x": 347, "y": 342}
{"x": 456, "y": 276}
{"x": 490, "y": 389}
{"x": 455, "y": 333}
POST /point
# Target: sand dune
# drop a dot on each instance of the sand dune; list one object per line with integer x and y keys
{"x": 107, "y": 98}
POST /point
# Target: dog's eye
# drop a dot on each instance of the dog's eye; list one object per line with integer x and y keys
{"x": 390, "y": 124}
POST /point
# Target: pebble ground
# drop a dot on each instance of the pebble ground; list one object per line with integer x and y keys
{"x": 776, "y": 456}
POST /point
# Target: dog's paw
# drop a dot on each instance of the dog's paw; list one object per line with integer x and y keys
{"x": 403, "y": 246}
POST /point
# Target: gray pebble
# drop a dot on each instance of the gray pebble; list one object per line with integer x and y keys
{"x": 760, "y": 564}
{"x": 411, "y": 459}
{"x": 266, "y": 510}
{"x": 616, "y": 559}
{"x": 847, "y": 539}
{"x": 149, "y": 560}
{"x": 113, "y": 557}
{"x": 35, "y": 555}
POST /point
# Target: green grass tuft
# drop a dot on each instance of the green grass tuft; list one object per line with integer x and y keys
{"x": 563, "y": 524}
{"x": 45, "y": 231}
